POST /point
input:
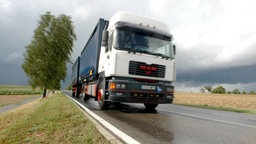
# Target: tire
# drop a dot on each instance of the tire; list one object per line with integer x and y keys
{"x": 85, "y": 97}
{"x": 78, "y": 93}
{"x": 150, "y": 106}
{"x": 104, "y": 105}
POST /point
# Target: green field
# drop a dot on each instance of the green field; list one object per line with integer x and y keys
{"x": 10, "y": 94}
{"x": 15, "y": 87}
{"x": 18, "y": 90}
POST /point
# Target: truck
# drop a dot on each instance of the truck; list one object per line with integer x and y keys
{"x": 127, "y": 59}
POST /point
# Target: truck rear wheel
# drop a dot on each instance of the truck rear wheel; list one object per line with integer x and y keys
{"x": 104, "y": 105}
{"x": 150, "y": 106}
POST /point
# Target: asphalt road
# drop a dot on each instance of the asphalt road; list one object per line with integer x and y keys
{"x": 179, "y": 124}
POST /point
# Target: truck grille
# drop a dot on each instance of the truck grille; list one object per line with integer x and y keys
{"x": 143, "y": 69}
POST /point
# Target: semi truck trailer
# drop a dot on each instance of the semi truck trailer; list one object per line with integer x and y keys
{"x": 127, "y": 59}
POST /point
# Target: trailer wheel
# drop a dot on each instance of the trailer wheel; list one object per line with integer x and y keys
{"x": 150, "y": 106}
{"x": 104, "y": 105}
{"x": 85, "y": 97}
{"x": 78, "y": 92}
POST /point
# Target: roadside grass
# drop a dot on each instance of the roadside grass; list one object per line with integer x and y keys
{"x": 54, "y": 119}
{"x": 228, "y": 102}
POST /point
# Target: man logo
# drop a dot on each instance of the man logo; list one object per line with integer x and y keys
{"x": 148, "y": 69}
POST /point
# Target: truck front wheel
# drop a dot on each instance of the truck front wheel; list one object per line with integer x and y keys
{"x": 104, "y": 105}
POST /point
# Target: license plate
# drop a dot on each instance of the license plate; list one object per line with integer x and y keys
{"x": 148, "y": 87}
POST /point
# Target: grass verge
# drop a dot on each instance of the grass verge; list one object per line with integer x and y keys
{"x": 52, "y": 120}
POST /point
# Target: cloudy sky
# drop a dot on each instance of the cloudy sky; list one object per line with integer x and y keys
{"x": 215, "y": 39}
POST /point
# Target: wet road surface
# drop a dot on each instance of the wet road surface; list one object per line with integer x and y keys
{"x": 179, "y": 124}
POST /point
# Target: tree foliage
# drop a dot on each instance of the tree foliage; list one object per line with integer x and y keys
{"x": 236, "y": 91}
{"x": 202, "y": 90}
{"x": 208, "y": 88}
{"x": 252, "y": 92}
{"x": 219, "y": 90}
{"x": 69, "y": 87}
{"x": 51, "y": 46}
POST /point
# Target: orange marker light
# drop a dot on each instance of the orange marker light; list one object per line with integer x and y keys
{"x": 112, "y": 86}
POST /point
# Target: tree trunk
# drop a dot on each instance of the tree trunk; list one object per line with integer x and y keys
{"x": 44, "y": 92}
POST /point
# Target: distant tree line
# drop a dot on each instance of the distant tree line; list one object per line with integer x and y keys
{"x": 222, "y": 90}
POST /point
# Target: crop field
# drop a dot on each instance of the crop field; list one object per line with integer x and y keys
{"x": 13, "y": 94}
{"x": 14, "y": 87}
{"x": 9, "y": 99}
{"x": 218, "y": 101}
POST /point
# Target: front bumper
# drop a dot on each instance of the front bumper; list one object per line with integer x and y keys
{"x": 141, "y": 92}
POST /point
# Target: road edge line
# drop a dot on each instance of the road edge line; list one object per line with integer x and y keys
{"x": 113, "y": 129}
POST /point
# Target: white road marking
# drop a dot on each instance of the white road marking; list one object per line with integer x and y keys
{"x": 210, "y": 119}
{"x": 127, "y": 139}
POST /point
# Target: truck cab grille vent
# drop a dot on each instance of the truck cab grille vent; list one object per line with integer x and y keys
{"x": 143, "y": 69}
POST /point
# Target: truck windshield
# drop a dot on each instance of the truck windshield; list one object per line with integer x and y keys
{"x": 143, "y": 42}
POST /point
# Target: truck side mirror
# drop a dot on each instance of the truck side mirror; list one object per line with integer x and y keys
{"x": 174, "y": 49}
{"x": 104, "y": 38}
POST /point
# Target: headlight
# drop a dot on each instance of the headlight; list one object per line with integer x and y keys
{"x": 123, "y": 86}
{"x": 118, "y": 86}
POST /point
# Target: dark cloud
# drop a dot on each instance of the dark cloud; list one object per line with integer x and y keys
{"x": 215, "y": 42}
{"x": 232, "y": 75}
{"x": 12, "y": 74}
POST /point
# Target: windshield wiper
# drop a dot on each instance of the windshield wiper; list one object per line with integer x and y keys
{"x": 159, "y": 54}
{"x": 151, "y": 53}
{"x": 130, "y": 50}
